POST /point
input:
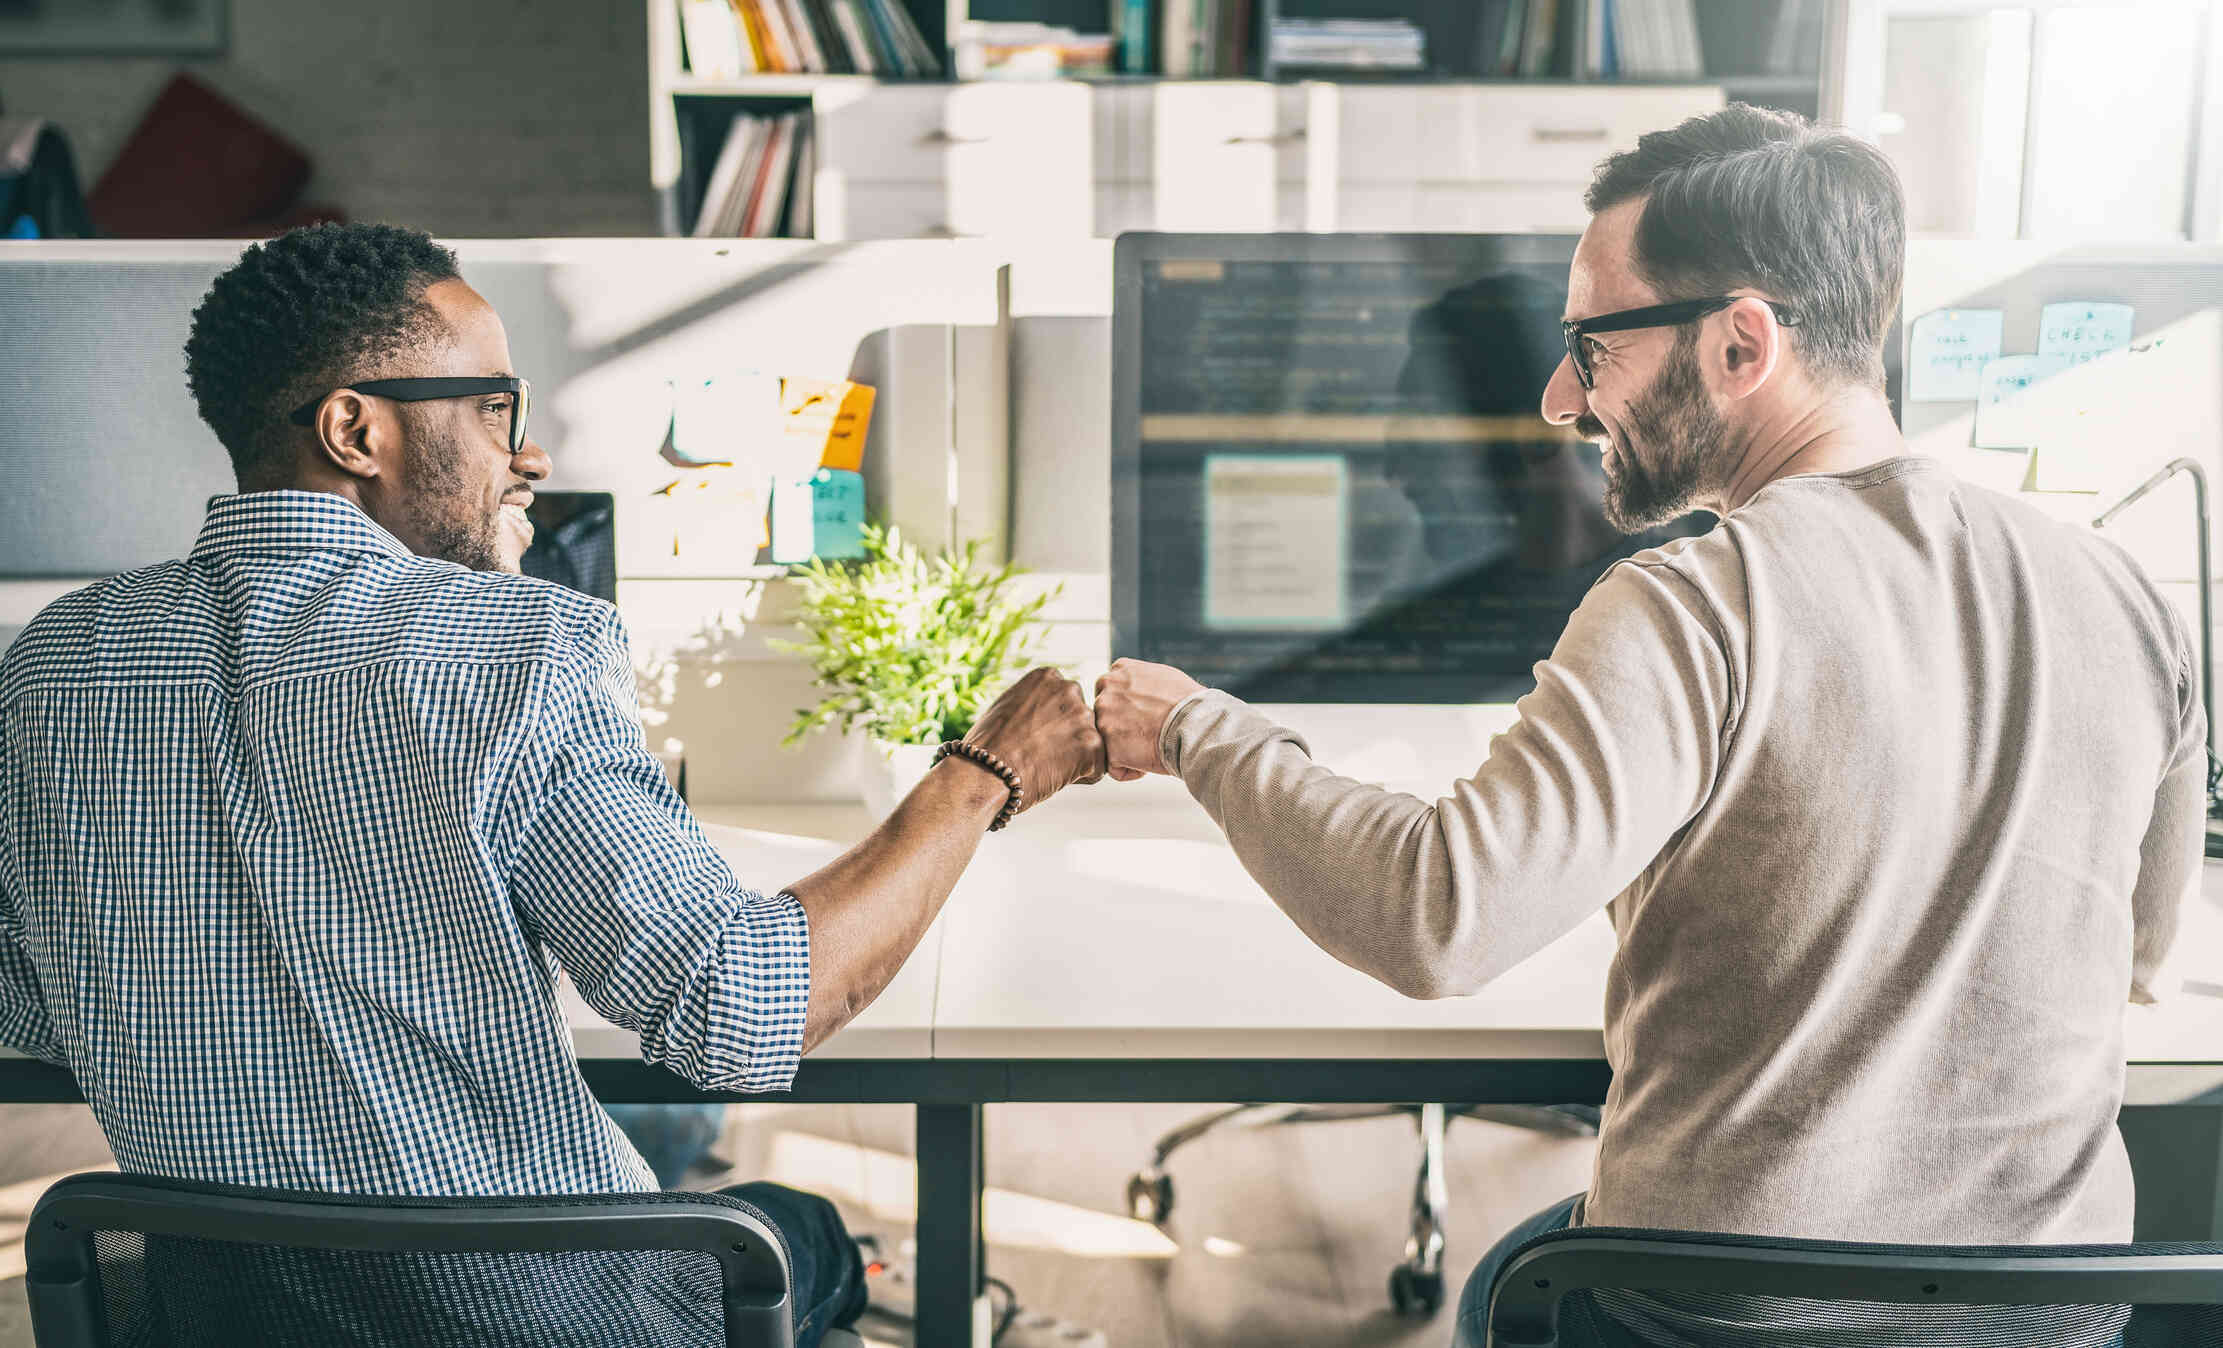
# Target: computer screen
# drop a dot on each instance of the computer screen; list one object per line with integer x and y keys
{"x": 1331, "y": 477}
{"x": 574, "y": 541}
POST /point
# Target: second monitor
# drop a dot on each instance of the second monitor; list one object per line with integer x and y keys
{"x": 1331, "y": 477}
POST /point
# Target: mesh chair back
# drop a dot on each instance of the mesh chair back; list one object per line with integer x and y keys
{"x": 156, "y": 1263}
{"x": 1668, "y": 1289}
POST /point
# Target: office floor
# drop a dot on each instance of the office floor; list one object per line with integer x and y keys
{"x": 1284, "y": 1237}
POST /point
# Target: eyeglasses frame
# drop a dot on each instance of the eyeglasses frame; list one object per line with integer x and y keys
{"x": 435, "y": 387}
{"x": 1668, "y": 315}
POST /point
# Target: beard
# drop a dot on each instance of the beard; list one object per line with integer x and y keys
{"x": 1657, "y": 465}
{"x": 441, "y": 505}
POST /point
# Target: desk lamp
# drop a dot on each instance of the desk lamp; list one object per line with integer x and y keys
{"x": 2207, "y": 618}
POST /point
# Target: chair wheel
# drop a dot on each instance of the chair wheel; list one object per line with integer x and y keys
{"x": 1150, "y": 1197}
{"x": 1414, "y": 1293}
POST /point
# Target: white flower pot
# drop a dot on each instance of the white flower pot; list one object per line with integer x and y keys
{"x": 887, "y": 772}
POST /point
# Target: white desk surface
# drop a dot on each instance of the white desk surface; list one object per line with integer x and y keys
{"x": 1120, "y": 926}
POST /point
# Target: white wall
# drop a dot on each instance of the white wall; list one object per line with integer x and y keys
{"x": 467, "y": 118}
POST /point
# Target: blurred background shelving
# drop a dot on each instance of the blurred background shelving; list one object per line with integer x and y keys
{"x": 1501, "y": 111}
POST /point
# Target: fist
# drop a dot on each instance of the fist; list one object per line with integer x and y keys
{"x": 1041, "y": 727}
{"x": 1132, "y": 704}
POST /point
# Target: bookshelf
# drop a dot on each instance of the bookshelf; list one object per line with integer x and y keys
{"x": 1775, "y": 53}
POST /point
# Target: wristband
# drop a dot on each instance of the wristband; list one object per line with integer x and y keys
{"x": 973, "y": 753}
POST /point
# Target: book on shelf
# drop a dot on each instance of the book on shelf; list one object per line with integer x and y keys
{"x": 1644, "y": 39}
{"x": 1017, "y": 50}
{"x": 1195, "y": 39}
{"x": 761, "y": 181}
{"x": 1131, "y": 25}
{"x": 726, "y": 39}
{"x": 1347, "y": 44}
{"x": 714, "y": 46}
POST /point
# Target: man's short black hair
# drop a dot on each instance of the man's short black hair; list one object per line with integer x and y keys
{"x": 300, "y": 316}
{"x": 1747, "y": 196}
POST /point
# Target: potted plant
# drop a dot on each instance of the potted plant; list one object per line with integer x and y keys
{"x": 909, "y": 650}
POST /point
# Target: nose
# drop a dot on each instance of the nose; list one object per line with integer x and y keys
{"x": 531, "y": 462}
{"x": 1564, "y": 399}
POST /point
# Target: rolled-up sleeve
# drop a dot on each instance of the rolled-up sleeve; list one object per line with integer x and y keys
{"x": 615, "y": 877}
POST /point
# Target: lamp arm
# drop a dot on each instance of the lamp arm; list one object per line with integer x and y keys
{"x": 2207, "y": 592}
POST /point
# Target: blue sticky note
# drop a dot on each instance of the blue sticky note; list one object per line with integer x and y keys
{"x": 2001, "y": 422}
{"x": 838, "y": 513}
{"x": 1949, "y": 350}
{"x": 818, "y": 516}
{"x": 2083, "y": 329}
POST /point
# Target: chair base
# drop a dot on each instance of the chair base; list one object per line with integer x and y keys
{"x": 1415, "y": 1285}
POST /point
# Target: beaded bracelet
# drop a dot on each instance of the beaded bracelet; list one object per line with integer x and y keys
{"x": 973, "y": 753}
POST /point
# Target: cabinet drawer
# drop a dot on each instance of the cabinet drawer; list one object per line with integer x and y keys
{"x": 1140, "y": 129}
{"x": 1487, "y": 133}
{"x": 898, "y": 134}
{"x": 1559, "y": 135}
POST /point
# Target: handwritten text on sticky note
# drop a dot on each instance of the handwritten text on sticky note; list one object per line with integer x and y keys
{"x": 2004, "y": 418}
{"x": 2083, "y": 329}
{"x": 1948, "y": 353}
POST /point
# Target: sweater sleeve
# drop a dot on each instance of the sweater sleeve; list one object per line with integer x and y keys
{"x": 1613, "y": 753}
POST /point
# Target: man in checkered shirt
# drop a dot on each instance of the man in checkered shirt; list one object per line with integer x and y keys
{"x": 296, "y": 831}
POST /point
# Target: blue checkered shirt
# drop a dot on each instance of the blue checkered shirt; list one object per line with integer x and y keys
{"x": 294, "y": 834}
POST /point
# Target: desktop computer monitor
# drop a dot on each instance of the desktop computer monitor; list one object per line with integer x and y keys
{"x": 574, "y": 541}
{"x": 1331, "y": 477}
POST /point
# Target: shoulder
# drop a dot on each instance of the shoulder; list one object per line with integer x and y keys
{"x": 1699, "y": 578}
{"x": 59, "y": 640}
{"x": 437, "y": 609}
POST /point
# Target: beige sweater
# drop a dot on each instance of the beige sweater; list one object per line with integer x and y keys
{"x": 1891, "y": 786}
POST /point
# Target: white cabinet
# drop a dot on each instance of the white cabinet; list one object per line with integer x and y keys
{"x": 898, "y": 161}
{"x": 1071, "y": 159}
{"x": 1475, "y": 158}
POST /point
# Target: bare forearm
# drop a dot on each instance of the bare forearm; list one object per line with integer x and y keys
{"x": 869, "y": 907}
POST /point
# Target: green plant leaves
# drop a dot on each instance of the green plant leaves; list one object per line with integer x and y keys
{"x": 909, "y": 648}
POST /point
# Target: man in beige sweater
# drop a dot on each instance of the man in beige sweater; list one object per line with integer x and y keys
{"x": 1890, "y": 786}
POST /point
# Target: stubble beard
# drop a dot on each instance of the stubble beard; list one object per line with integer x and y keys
{"x": 1658, "y": 462}
{"x": 442, "y": 506}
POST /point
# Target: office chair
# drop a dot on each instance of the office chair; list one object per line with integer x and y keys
{"x": 143, "y": 1260}
{"x": 1416, "y": 1285}
{"x": 1634, "y": 1287}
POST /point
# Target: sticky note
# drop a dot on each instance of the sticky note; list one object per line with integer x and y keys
{"x": 821, "y": 515}
{"x": 1948, "y": 352}
{"x": 837, "y": 510}
{"x": 828, "y": 418}
{"x": 2004, "y": 417}
{"x": 708, "y": 522}
{"x": 2083, "y": 329}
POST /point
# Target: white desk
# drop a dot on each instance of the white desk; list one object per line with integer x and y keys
{"x": 1096, "y": 928}
{"x": 1109, "y": 947}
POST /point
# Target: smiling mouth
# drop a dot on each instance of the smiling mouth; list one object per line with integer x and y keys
{"x": 513, "y": 512}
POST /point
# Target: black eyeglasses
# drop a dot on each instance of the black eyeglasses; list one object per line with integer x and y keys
{"x": 1651, "y": 316}
{"x": 425, "y": 390}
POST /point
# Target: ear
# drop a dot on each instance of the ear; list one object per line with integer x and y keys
{"x": 356, "y": 435}
{"x": 1752, "y": 344}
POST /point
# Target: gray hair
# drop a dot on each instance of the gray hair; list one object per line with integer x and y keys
{"x": 1810, "y": 216}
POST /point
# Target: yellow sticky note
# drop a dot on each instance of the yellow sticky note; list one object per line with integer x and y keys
{"x": 824, "y": 422}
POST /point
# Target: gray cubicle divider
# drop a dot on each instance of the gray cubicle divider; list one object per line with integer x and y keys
{"x": 107, "y": 464}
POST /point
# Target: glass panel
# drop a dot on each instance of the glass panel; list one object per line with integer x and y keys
{"x": 2111, "y": 121}
{"x": 1956, "y": 89}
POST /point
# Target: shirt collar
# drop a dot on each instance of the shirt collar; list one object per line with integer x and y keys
{"x": 290, "y": 521}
